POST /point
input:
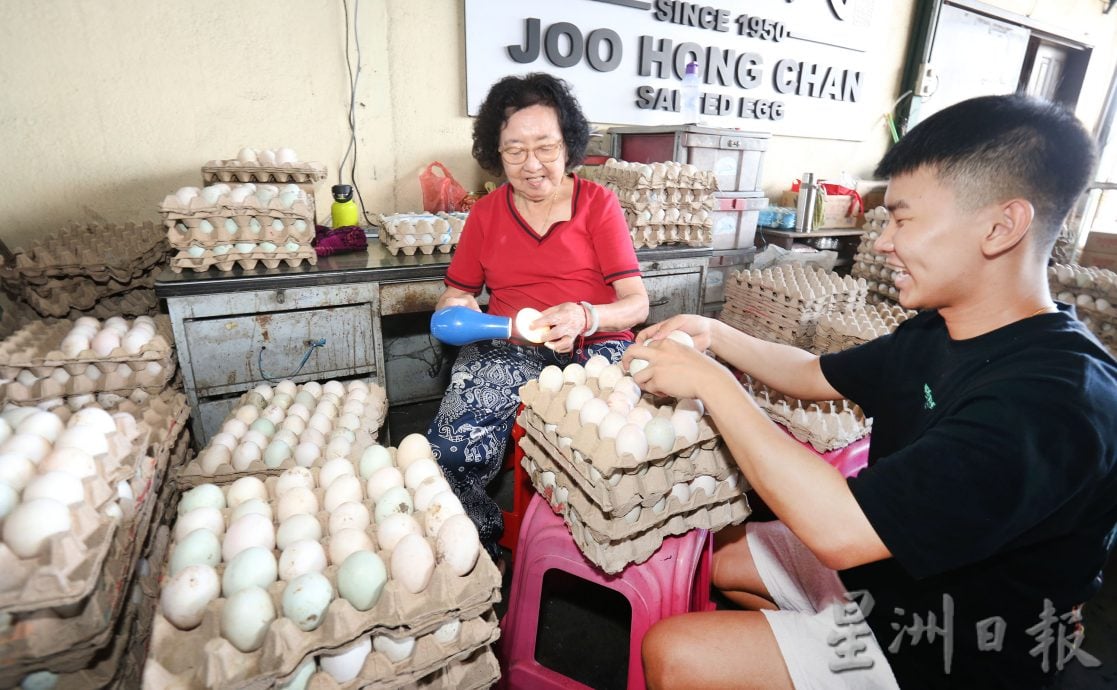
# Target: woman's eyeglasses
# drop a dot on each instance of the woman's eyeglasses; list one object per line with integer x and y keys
{"x": 547, "y": 153}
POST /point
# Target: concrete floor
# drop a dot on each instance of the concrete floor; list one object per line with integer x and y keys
{"x": 583, "y": 628}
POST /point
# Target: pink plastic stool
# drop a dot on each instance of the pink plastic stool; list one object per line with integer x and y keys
{"x": 676, "y": 579}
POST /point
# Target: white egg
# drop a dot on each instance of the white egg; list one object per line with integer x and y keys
{"x": 574, "y": 373}
{"x": 296, "y": 500}
{"x": 578, "y": 396}
{"x": 14, "y": 415}
{"x": 61, "y": 486}
{"x": 610, "y": 424}
{"x": 298, "y": 527}
{"x": 202, "y": 496}
{"x": 374, "y": 458}
{"x": 244, "y": 489}
{"x": 306, "y": 556}
{"x": 619, "y": 402}
{"x": 419, "y": 471}
{"x": 640, "y": 416}
{"x": 395, "y": 527}
{"x": 412, "y": 563}
{"x": 185, "y": 596}
{"x": 610, "y": 376}
{"x": 247, "y": 155}
{"x": 631, "y": 441}
{"x": 306, "y": 454}
{"x": 345, "y": 664}
{"x": 660, "y": 433}
{"x": 636, "y": 365}
{"x": 253, "y": 567}
{"x": 524, "y": 319}
{"x": 427, "y": 490}
{"x": 383, "y": 480}
{"x": 353, "y": 514}
{"x": 285, "y": 156}
{"x": 16, "y": 471}
{"x": 593, "y": 411}
{"x": 227, "y": 440}
{"x": 35, "y": 447}
{"x": 633, "y": 515}
{"x": 442, "y": 507}
{"x": 31, "y": 524}
{"x": 686, "y": 426}
{"x": 245, "y": 455}
{"x": 627, "y": 386}
{"x": 204, "y": 517}
{"x": 681, "y": 492}
{"x": 292, "y": 478}
{"x": 338, "y": 448}
{"x": 290, "y": 438}
{"x": 234, "y": 427}
{"x": 681, "y": 337}
{"x": 348, "y": 541}
{"x": 105, "y": 342}
{"x": 275, "y": 413}
{"x": 9, "y": 499}
{"x": 247, "y": 413}
{"x": 200, "y": 547}
{"x": 705, "y": 483}
{"x": 691, "y": 406}
{"x": 395, "y": 650}
{"x": 294, "y": 424}
{"x": 332, "y": 469}
{"x": 551, "y": 379}
{"x": 134, "y": 341}
{"x": 252, "y": 505}
{"x": 594, "y": 365}
{"x": 448, "y": 632}
{"x": 320, "y": 422}
{"x": 73, "y": 345}
{"x": 458, "y": 544}
{"x": 44, "y": 424}
{"x": 247, "y": 531}
{"x": 246, "y": 617}
{"x": 276, "y": 453}
{"x": 185, "y": 194}
{"x": 411, "y": 448}
{"x": 344, "y": 489}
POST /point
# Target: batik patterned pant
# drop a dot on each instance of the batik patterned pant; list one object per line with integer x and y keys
{"x": 471, "y": 430}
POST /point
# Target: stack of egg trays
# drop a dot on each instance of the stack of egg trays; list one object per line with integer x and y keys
{"x": 664, "y": 203}
{"x": 219, "y": 227}
{"x": 421, "y": 232}
{"x": 33, "y": 352}
{"x": 826, "y": 424}
{"x": 620, "y": 509}
{"x": 193, "y": 474}
{"x": 77, "y": 269}
{"x": 479, "y": 669}
{"x": 773, "y": 304}
{"x": 870, "y": 265}
{"x": 232, "y": 170}
{"x": 202, "y": 658}
{"x": 839, "y": 331}
{"x": 70, "y": 641}
{"x": 1093, "y": 291}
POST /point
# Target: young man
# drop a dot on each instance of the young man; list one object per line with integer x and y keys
{"x": 961, "y": 555}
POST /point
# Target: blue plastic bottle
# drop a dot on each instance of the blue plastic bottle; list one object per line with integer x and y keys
{"x": 690, "y": 94}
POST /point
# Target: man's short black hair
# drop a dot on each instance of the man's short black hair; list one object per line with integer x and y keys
{"x": 996, "y": 148}
{"x": 512, "y": 94}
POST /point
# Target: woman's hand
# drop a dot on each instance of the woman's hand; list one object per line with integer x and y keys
{"x": 699, "y": 328}
{"x": 565, "y": 322}
{"x": 453, "y": 297}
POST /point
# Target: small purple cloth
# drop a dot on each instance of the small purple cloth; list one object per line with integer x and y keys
{"x": 350, "y": 238}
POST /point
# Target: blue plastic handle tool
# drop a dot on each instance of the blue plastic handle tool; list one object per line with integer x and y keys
{"x": 462, "y": 325}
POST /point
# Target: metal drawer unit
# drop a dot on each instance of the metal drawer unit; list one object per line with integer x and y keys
{"x": 230, "y": 342}
{"x": 675, "y": 286}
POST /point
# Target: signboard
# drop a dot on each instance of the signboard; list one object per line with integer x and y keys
{"x": 793, "y": 67}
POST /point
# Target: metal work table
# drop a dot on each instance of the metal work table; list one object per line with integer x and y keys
{"x": 234, "y": 330}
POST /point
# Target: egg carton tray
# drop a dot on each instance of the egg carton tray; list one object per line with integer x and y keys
{"x": 682, "y": 198}
{"x": 36, "y": 347}
{"x": 555, "y": 480}
{"x": 669, "y": 174}
{"x": 122, "y": 380}
{"x": 232, "y": 229}
{"x": 825, "y": 429}
{"x": 669, "y": 217}
{"x": 60, "y": 296}
{"x": 246, "y": 262}
{"x": 616, "y": 491}
{"x": 193, "y": 474}
{"x": 201, "y": 658}
{"x": 108, "y": 283}
{"x": 135, "y": 302}
{"x": 616, "y": 554}
{"x": 198, "y": 209}
{"x": 232, "y": 170}
{"x": 653, "y": 236}
{"x": 45, "y": 640}
{"x": 70, "y": 565}
{"x": 476, "y": 667}
{"x": 98, "y": 251}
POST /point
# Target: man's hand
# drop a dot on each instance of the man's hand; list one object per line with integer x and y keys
{"x": 674, "y": 369}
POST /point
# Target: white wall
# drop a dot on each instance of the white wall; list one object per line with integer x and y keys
{"x": 106, "y": 106}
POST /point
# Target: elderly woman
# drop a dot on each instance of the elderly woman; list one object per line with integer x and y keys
{"x": 546, "y": 240}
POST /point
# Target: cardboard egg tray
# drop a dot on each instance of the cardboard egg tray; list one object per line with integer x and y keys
{"x": 123, "y": 379}
{"x": 96, "y": 251}
{"x": 421, "y": 232}
{"x": 869, "y": 265}
{"x": 655, "y": 235}
{"x": 187, "y": 231}
{"x": 617, "y": 483}
{"x": 1093, "y": 292}
{"x": 59, "y": 297}
{"x": 37, "y": 347}
{"x": 640, "y": 540}
{"x": 232, "y": 170}
{"x": 46, "y": 640}
{"x": 193, "y": 213}
{"x": 68, "y": 568}
{"x": 669, "y": 174}
{"x": 376, "y": 410}
{"x": 134, "y": 302}
{"x": 827, "y": 424}
{"x": 247, "y": 262}
{"x": 840, "y": 331}
{"x": 201, "y": 657}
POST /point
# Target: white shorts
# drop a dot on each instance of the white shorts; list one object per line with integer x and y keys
{"x": 821, "y": 633}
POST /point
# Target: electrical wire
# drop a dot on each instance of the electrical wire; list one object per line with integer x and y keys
{"x": 354, "y": 78}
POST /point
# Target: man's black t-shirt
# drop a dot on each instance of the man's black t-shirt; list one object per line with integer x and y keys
{"x": 992, "y": 480}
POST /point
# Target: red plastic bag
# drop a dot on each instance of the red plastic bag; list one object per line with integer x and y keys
{"x": 440, "y": 192}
